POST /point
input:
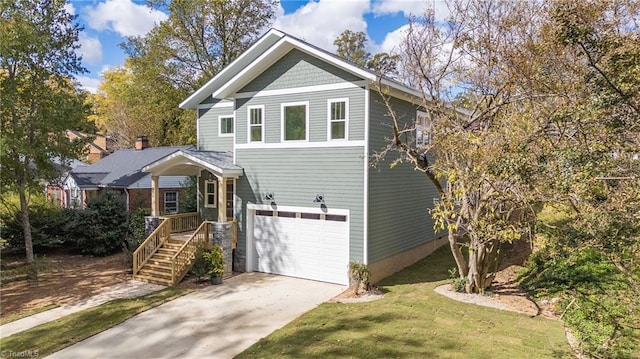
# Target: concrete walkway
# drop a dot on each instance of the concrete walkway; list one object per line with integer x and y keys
{"x": 130, "y": 289}
{"x": 215, "y": 322}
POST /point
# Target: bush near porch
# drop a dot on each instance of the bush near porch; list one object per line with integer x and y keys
{"x": 99, "y": 230}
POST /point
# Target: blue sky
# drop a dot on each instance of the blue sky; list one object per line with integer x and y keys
{"x": 107, "y": 22}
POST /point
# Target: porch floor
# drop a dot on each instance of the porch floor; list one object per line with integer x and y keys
{"x": 182, "y": 236}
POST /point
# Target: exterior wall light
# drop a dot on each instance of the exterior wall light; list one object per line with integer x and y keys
{"x": 268, "y": 196}
{"x": 319, "y": 198}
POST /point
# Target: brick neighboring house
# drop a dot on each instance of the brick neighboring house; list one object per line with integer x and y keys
{"x": 96, "y": 150}
{"x": 121, "y": 171}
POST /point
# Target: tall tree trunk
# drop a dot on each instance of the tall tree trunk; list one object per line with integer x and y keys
{"x": 472, "y": 275}
{"x": 26, "y": 223}
{"x": 456, "y": 250}
{"x": 481, "y": 257}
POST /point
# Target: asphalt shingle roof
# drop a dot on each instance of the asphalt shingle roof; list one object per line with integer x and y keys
{"x": 223, "y": 160}
{"x": 123, "y": 167}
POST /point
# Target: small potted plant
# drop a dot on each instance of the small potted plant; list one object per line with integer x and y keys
{"x": 216, "y": 261}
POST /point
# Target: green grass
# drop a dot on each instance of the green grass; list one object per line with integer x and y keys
{"x": 25, "y": 313}
{"x": 53, "y": 336}
{"x": 412, "y": 321}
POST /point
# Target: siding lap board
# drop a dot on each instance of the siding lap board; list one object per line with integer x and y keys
{"x": 208, "y": 139}
{"x": 317, "y": 114}
{"x": 295, "y": 176}
{"x": 298, "y": 69}
{"x": 399, "y": 198}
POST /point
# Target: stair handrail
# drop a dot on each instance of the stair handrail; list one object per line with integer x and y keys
{"x": 151, "y": 245}
{"x": 184, "y": 222}
{"x": 182, "y": 261}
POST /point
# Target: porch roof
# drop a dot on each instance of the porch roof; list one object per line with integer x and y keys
{"x": 190, "y": 161}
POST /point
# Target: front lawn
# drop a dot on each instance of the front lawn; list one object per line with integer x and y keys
{"x": 412, "y": 321}
{"x": 51, "y": 337}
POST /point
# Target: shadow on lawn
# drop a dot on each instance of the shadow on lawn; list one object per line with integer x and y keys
{"x": 433, "y": 268}
{"x": 340, "y": 338}
{"x": 436, "y": 266}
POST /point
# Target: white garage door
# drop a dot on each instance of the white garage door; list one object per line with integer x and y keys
{"x": 302, "y": 244}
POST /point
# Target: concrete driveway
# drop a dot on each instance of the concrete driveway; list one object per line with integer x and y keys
{"x": 216, "y": 322}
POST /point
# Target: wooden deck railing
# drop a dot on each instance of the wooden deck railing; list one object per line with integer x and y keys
{"x": 184, "y": 222}
{"x": 182, "y": 260}
{"x": 151, "y": 244}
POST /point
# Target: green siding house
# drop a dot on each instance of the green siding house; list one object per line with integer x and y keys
{"x": 286, "y": 134}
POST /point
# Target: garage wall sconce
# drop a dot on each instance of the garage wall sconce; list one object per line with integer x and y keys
{"x": 319, "y": 198}
{"x": 268, "y": 196}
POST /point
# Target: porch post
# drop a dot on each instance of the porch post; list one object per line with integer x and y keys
{"x": 155, "y": 194}
{"x": 222, "y": 200}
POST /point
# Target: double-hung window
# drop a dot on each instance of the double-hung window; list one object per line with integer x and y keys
{"x": 225, "y": 125}
{"x": 295, "y": 119}
{"x": 171, "y": 202}
{"x": 423, "y": 129}
{"x": 210, "y": 193}
{"x": 338, "y": 115}
{"x": 256, "y": 123}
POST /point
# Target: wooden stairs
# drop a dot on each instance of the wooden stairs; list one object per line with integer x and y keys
{"x": 157, "y": 269}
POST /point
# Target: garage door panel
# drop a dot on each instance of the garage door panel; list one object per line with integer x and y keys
{"x": 302, "y": 247}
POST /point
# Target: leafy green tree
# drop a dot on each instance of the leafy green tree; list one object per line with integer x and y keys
{"x": 40, "y": 101}
{"x": 473, "y": 156}
{"x": 352, "y": 46}
{"x": 530, "y": 103}
{"x": 172, "y": 61}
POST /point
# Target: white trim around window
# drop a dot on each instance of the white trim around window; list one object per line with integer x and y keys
{"x": 330, "y": 120}
{"x": 171, "y": 200}
{"x": 282, "y": 120}
{"x": 211, "y": 193}
{"x": 423, "y": 129}
{"x": 220, "y": 126}
{"x": 250, "y": 125}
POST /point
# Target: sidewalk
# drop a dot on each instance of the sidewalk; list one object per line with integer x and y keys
{"x": 126, "y": 290}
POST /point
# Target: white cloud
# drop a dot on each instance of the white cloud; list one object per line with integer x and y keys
{"x": 123, "y": 16}
{"x": 70, "y": 9}
{"x": 90, "y": 49}
{"x": 393, "y": 40}
{"x": 88, "y": 83}
{"x": 321, "y": 22}
{"x": 411, "y": 7}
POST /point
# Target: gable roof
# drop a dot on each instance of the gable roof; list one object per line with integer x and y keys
{"x": 217, "y": 162}
{"x": 265, "y": 52}
{"x": 122, "y": 168}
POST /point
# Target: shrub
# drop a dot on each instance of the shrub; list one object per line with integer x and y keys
{"x": 136, "y": 234}
{"x": 216, "y": 261}
{"x": 201, "y": 267}
{"x": 457, "y": 282}
{"x": 359, "y": 276}
{"x": 47, "y": 223}
{"x": 190, "y": 201}
{"x": 101, "y": 228}
{"x": 598, "y": 304}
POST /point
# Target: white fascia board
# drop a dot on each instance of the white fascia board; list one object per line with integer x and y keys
{"x": 159, "y": 164}
{"x": 228, "y": 72}
{"x": 398, "y": 91}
